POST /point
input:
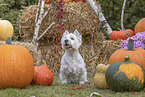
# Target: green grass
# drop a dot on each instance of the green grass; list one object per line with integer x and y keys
{"x": 64, "y": 90}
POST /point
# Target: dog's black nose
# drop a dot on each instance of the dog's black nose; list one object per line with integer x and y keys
{"x": 65, "y": 41}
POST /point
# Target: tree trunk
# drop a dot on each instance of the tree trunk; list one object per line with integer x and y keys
{"x": 38, "y": 23}
{"x": 122, "y": 28}
{"x": 98, "y": 12}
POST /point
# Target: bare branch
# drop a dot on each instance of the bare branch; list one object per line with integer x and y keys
{"x": 46, "y": 13}
{"x": 45, "y": 31}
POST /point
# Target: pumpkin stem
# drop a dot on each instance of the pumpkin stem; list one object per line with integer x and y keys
{"x": 127, "y": 34}
{"x": 127, "y": 59}
{"x": 131, "y": 44}
{"x": 9, "y": 41}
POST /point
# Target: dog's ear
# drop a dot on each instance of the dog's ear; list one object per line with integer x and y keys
{"x": 66, "y": 32}
{"x": 76, "y": 32}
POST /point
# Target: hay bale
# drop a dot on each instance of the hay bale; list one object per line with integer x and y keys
{"x": 108, "y": 48}
{"x": 78, "y": 16}
{"x": 91, "y": 53}
{"x": 53, "y": 54}
{"x": 36, "y": 54}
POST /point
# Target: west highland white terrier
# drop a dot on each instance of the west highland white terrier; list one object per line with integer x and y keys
{"x": 72, "y": 68}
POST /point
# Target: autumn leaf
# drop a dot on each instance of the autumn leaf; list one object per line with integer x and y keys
{"x": 133, "y": 93}
{"x": 71, "y": 94}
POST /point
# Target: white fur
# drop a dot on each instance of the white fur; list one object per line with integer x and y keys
{"x": 72, "y": 68}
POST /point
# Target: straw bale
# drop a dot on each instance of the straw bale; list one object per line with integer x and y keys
{"x": 53, "y": 54}
{"x": 78, "y": 16}
{"x": 108, "y": 48}
{"x": 92, "y": 54}
{"x": 36, "y": 54}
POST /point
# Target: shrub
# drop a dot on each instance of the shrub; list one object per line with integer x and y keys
{"x": 134, "y": 11}
{"x": 9, "y": 10}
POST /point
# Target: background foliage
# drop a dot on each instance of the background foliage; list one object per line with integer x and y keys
{"x": 134, "y": 11}
{"x": 10, "y": 9}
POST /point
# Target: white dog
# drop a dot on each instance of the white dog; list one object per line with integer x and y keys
{"x": 72, "y": 68}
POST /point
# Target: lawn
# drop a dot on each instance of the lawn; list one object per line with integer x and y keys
{"x": 64, "y": 90}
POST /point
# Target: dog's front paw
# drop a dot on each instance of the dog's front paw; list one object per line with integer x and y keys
{"x": 64, "y": 82}
{"x": 81, "y": 82}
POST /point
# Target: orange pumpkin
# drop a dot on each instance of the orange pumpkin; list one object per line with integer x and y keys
{"x": 136, "y": 55}
{"x": 42, "y": 75}
{"x": 121, "y": 35}
{"x": 46, "y": 1}
{"x": 16, "y": 66}
{"x": 140, "y": 26}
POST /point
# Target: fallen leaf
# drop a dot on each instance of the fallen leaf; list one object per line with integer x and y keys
{"x": 71, "y": 94}
{"x": 133, "y": 93}
{"x": 78, "y": 88}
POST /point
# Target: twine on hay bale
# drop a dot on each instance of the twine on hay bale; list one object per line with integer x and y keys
{"x": 78, "y": 16}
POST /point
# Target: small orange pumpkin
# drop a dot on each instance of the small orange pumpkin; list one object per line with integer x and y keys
{"x": 42, "y": 75}
{"x": 140, "y": 26}
{"x": 136, "y": 55}
{"x": 46, "y": 1}
{"x": 118, "y": 35}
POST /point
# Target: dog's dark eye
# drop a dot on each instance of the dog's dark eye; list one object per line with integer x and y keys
{"x": 72, "y": 38}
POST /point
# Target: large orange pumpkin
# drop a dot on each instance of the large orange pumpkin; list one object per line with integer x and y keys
{"x": 121, "y": 35}
{"x": 16, "y": 66}
{"x": 42, "y": 75}
{"x": 140, "y": 26}
{"x": 6, "y": 29}
{"x": 136, "y": 55}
